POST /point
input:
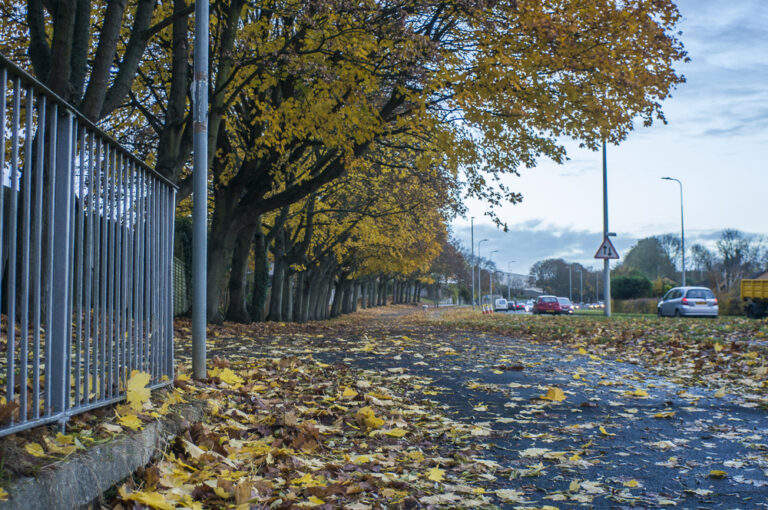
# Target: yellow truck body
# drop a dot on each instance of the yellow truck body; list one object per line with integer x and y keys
{"x": 756, "y": 292}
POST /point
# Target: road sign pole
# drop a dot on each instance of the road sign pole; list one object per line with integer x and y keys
{"x": 606, "y": 262}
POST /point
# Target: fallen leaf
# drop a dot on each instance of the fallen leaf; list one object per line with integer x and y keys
{"x": 435, "y": 474}
{"x": 555, "y": 394}
{"x": 136, "y": 391}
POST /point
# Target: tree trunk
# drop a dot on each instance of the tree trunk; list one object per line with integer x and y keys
{"x": 238, "y": 310}
{"x": 337, "y": 299}
{"x": 260, "y": 276}
{"x": 287, "y": 306}
{"x": 278, "y": 279}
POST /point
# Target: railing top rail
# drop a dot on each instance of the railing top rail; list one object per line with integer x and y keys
{"x": 30, "y": 80}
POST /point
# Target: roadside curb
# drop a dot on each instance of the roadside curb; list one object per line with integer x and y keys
{"x": 79, "y": 482}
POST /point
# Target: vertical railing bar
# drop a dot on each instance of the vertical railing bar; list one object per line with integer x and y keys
{"x": 97, "y": 267}
{"x": 111, "y": 223}
{"x": 79, "y": 270}
{"x": 49, "y": 254}
{"x": 130, "y": 269}
{"x": 37, "y": 235}
{"x": 169, "y": 290}
{"x": 141, "y": 203}
{"x": 3, "y": 105}
{"x": 156, "y": 265}
{"x": 163, "y": 276}
{"x": 25, "y": 212}
{"x": 150, "y": 273}
{"x": 71, "y": 247}
{"x": 122, "y": 224}
{"x": 12, "y": 232}
{"x": 144, "y": 274}
{"x": 61, "y": 284}
{"x": 103, "y": 254}
{"x": 88, "y": 381}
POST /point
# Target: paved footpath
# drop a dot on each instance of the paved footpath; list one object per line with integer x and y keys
{"x": 617, "y": 437}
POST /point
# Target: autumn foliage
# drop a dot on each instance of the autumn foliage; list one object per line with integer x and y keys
{"x": 343, "y": 136}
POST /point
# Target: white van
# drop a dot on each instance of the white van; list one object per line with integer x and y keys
{"x": 500, "y": 304}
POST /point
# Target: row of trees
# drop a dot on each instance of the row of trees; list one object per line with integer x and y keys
{"x": 733, "y": 256}
{"x": 341, "y": 134}
{"x": 653, "y": 265}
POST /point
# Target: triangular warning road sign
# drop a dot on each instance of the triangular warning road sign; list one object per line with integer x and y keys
{"x": 606, "y": 250}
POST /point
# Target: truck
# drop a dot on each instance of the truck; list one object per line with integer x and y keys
{"x": 755, "y": 292}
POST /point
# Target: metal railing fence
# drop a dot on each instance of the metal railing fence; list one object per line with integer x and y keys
{"x": 86, "y": 249}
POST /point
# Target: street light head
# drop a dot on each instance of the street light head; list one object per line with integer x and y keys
{"x": 667, "y": 178}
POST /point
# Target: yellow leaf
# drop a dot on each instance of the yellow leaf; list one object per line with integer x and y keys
{"x": 665, "y": 414}
{"x": 136, "y": 391}
{"x": 582, "y": 350}
{"x": 640, "y": 393}
{"x": 223, "y": 494}
{"x": 631, "y": 484}
{"x": 395, "y": 432}
{"x": 131, "y": 421}
{"x": 349, "y": 393}
{"x": 226, "y": 375}
{"x": 153, "y": 499}
{"x": 719, "y": 393}
{"x": 63, "y": 438}
{"x": 361, "y": 459}
{"x": 574, "y": 486}
{"x": 605, "y": 432}
{"x": 34, "y": 449}
{"x": 555, "y": 394}
{"x": 435, "y": 474}
{"x": 315, "y": 500}
{"x": 717, "y": 473}
{"x": 3, "y": 495}
{"x": 498, "y": 372}
{"x": 306, "y": 481}
{"x": 416, "y": 456}
{"x": 367, "y": 416}
{"x": 718, "y": 347}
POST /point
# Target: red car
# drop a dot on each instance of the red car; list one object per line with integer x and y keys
{"x": 546, "y": 304}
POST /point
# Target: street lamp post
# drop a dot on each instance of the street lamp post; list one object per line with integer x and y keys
{"x": 490, "y": 276}
{"x": 509, "y": 282}
{"x": 570, "y": 282}
{"x": 479, "y": 273}
{"x": 682, "y": 225}
{"x": 581, "y": 285}
{"x": 473, "y": 261}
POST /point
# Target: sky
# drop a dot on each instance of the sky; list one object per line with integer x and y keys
{"x": 715, "y": 142}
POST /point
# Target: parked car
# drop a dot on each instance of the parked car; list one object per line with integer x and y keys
{"x": 546, "y": 304}
{"x": 688, "y": 301}
{"x": 511, "y": 305}
{"x": 520, "y": 306}
{"x": 529, "y": 305}
{"x": 500, "y": 305}
{"x": 566, "y": 307}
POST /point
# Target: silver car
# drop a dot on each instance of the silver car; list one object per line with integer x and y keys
{"x": 688, "y": 301}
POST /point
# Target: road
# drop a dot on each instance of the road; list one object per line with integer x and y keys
{"x": 619, "y": 437}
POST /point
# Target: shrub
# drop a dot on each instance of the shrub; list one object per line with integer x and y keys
{"x": 631, "y": 286}
{"x": 641, "y": 305}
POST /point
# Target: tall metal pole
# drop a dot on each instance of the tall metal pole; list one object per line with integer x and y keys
{"x": 200, "y": 189}
{"x": 606, "y": 262}
{"x": 581, "y": 286}
{"x": 472, "y": 220}
{"x": 682, "y": 225}
{"x": 570, "y": 282}
{"x": 479, "y": 273}
{"x": 509, "y": 281}
{"x": 490, "y": 275}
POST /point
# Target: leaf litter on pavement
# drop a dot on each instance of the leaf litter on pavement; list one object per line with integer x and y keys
{"x": 388, "y": 408}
